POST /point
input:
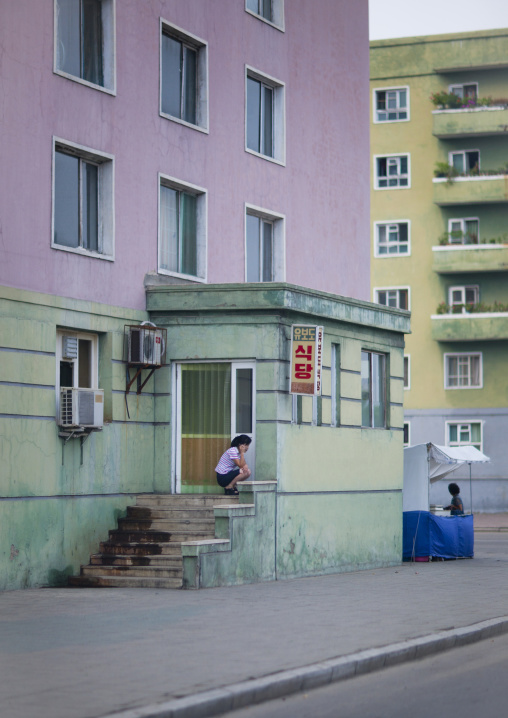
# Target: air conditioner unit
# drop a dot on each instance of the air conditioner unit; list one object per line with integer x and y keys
{"x": 146, "y": 346}
{"x": 81, "y": 408}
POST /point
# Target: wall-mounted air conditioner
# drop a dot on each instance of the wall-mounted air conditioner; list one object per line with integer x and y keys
{"x": 81, "y": 408}
{"x": 146, "y": 345}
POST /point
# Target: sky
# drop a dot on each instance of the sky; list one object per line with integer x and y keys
{"x": 406, "y": 18}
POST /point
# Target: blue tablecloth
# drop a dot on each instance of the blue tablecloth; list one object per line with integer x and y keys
{"x": 442, "y": 536}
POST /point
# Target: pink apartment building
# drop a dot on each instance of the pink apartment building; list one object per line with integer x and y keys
{"x": 203, "y": 166}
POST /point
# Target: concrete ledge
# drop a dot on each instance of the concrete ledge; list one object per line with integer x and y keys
{"x": 247, "y": 693}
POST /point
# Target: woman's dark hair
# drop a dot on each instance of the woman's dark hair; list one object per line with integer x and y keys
{"x": 241, "y": 439}
{"x": 453, "y": 489}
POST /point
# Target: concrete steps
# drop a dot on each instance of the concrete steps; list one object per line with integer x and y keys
{"x": 145, "y": 551}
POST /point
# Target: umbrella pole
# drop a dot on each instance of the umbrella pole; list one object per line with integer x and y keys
{"x": 470, "y": 489}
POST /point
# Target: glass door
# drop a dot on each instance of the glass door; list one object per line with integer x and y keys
{"x": 214, "y": 403}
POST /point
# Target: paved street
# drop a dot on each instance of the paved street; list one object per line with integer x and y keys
{"x": 468, "y": 682}
{"x": 82, "y": 653}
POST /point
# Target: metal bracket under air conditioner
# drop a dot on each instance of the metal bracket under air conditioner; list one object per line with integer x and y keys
{"x": 80, "y": 433}
{"x": 130, "y": 381}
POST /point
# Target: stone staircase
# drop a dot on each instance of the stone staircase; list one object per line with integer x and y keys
{"x": 145, "y": 551}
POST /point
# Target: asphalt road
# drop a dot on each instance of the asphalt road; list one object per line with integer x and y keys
{"x": 468, "y": 682}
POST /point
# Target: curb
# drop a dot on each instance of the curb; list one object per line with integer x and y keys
{"x": 277, "y": 685}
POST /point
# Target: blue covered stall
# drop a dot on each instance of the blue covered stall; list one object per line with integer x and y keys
{"x": 425, "y": 534}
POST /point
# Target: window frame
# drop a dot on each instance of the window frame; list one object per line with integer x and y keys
{"x": 279, "y": 115}
{"x": 108, "y": 54}
{"x": 408, "y": 443}
{"x": 278, "y": 222}
{"x": 78, "y": 334}
{"x": 449, "y": 355}
{"x": 106, "y": 198}
{"x": 384, "y": 356}
{"x": 463, "y": 153}
{"x": 463, "y": 288}
{"x": 462, "y": 85}
{"x": 201, "y": 228}
{"x": 395, "y": 156}
{"x": 277, "y": 20}
{"x": 463, "y": 221}
{"x": 202, "y": 84}
{"x": 399, "y": 289}
{"x": 388, "y": 224}
{"x": 398, "y": 89}
{"x": 407, "y": 360}
{"x": 465, "y": 422}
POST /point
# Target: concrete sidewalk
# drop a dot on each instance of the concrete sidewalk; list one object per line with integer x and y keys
{"x": 85, "y": 653}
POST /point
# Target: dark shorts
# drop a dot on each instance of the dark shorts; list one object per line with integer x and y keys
{"x": 225, "y": 479}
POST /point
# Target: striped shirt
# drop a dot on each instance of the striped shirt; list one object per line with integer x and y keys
{"x": 226, "y": 463}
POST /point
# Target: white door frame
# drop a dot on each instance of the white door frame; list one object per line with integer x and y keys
{"x": 176, "y": 444}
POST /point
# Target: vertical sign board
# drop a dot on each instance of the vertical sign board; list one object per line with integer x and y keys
{"x": 306, "y": 359}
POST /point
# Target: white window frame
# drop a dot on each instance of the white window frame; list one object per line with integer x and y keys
{"x": 458, "y": 424}
{"x": 408, "y": 424}
{"x": 278, "y": 222}
{"x": 371, "y": 353}
{"x": 109, "y": 49}
{"x": 463, "y": 153}
{"x": 404, "y": 88}
{"x": 396, "y": 158}
{"x": 106, "y": 189}
{"x": 277, "y": 15}
{"x": 279, "y": 115}
{"x": 462, "y": 221}
{"x": 451, "y": 88}
{"x": 407, "y": 289}
{"x": 201, "y": 227}
{"x": 201, "y": 47}
{"x": 94, "y": 338}
{"x": 462, "y": 288}
{"x": 407, "y": 359}
{"x": 389, "y": 224}
{"x": 461, "y": 355}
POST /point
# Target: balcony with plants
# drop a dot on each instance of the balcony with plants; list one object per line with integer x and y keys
{"x": 462, "y": 252}
{"x": 471, "y": 186}
{"x": 472, "y": 116}
{"x": 472, "y": 321}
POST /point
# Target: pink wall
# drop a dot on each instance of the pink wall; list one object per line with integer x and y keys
{"x": 323, "y": 190}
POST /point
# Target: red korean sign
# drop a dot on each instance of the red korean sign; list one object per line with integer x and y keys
{"x": 306, "y": 359}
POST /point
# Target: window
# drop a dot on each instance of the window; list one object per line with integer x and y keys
{"x": 391, "y": 239}
{"x": 463, "y": 299}
{"x": 373, "y": 389}
{"x": 183, "y": 77}
{"x": 397, "y": 298}
{"x": 465, "y": 161}
{"x": 392, "y": 172}
{"x": 85, "y": 39}
{"x": 182, "y": 229}
{"x": 77, "y": 362}
{"x": 464, "y": 231}
{"x": 391, "y": 105}
{"x": 271, "y": 11}
{"x": 407, "y": 373}
{"x": 463, "y": 371}
{"x": 83, "y": 212}
{"x": 264, "y": 246}
{"x": 407, "y": 433}
{"x": 265, "y": 116}
{"x": 465, "y": 92}
{"x": 464, "y": 434}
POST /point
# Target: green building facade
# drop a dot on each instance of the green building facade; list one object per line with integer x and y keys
{"x": 440, "y": 238}
{"x": 337, "y": 502}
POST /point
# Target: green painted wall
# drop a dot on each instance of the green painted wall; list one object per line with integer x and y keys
{"x": 57, "y": 499}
